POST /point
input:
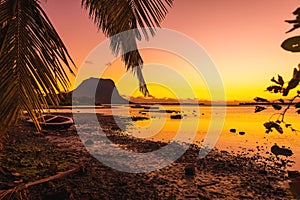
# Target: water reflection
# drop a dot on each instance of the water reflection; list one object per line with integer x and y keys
{"x": 195, "y": 124}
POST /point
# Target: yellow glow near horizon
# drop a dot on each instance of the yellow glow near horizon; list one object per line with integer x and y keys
{"x": 166, "y": 75}
{"x": 245, "y": 47}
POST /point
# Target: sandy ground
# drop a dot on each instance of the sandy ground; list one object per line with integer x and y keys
{"x": 220, "y": 175}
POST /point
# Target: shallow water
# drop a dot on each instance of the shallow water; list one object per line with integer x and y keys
{"x": 198, "y": 121}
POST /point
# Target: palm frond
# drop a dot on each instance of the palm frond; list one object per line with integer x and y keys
{"x": 31, "y": 57}
{"x": 125, "y": 16}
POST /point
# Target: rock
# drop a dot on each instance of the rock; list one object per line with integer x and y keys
{"x": 176, "y": 116}
{"x": 138, "y": 118}
{"x": 276, "y": 150}
{"x": 293, "y": 174}
{"x": 89, "y": 142}
{"x": 232, "y": 130}
{"x": 242, "y": 133}
{"x": 106, "y": 92}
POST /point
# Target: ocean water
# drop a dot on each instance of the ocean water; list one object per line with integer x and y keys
{"x": 201, "y": 124}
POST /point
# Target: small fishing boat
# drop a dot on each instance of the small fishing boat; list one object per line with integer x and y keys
{"x": 54, "y": 121}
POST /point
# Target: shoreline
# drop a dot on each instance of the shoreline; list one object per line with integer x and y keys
{"x": 231, "y": 176}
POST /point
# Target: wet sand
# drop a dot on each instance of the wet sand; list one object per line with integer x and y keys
{"x": 220, "y": 175}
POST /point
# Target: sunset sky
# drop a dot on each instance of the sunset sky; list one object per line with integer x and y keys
{"x": 242, "y": 38}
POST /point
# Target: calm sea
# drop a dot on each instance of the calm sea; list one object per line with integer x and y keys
{"x": 206, "y": 123}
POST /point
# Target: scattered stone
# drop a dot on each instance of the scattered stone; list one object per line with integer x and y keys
{"x": 176, "y": 116}
{"x": 242, "y": 133}
{"x": 276, "y": 150}
{"x": 232, "y": 130}
{"x": 89, "y": 142}
{"x": 293, "y": 174}
{"x": 219, "y": 175}
{"x": 138, "y": 118}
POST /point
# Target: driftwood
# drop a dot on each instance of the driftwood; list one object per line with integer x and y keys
{"x": 21, "y": 191}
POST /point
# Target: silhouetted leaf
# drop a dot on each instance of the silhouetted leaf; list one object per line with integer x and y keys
{"x": 298, "y": 111}
{"x": 259, "y": 109}
{"x": 295, "y": 26}
{"x": 288, "y": 125}
{"x": 297, "y": 105}
{"x": 259, "y": 99}
{"x": 292, "y": 44}
{"x": 271, "y": 124}
{"x": 274, "y": 88}
{"x": 281, "y": 100}
{"x": 276, "y": 106}
{"x": 297, "y": 11}
{"x": 296, "y": 73}
{"x": 123, "y": 16}
{"x": 292, "y": 84}
{"x": 296, "y": 21}
{"x": 280, "y": 80}
{"x": 274, "y": 80}
{"x": 33, "y": 61}
{"x": 268, "y": 130}
{"x": 285, "y": 92}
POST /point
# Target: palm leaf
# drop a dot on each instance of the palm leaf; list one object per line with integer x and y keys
{"x": 31, "y": 57}
{"x": 118, "y": 16}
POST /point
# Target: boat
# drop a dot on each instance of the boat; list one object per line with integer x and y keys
{"x": 53, "y": 121}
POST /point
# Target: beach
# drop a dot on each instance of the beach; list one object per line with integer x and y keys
{"x": 28, "y": 157}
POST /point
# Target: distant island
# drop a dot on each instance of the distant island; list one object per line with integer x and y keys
{"x": 93, "y": 91}
{"x": 106, "y": 92}
{"x": 264, "y": 103}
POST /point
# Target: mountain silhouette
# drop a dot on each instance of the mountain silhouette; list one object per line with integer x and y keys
{"x": 97, "y": 91}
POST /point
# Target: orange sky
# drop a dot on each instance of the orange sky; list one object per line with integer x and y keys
{"x": 242, "y": 38}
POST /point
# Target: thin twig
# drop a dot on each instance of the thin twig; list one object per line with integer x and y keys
{"x": 288, "y": 107}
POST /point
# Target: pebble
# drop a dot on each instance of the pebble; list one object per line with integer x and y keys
{"x": 232, "y": 130}
{"x": 89, "y": 142}
{"x": 16, "y": 174}
{"x": 242, "y": 133}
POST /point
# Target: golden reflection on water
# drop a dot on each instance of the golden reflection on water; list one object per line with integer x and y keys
{"x": 196, "y": 122}
{"x": 241, "y": 118}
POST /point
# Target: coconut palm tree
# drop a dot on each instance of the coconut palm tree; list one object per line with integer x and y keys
{"x": 34, "y": 60}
